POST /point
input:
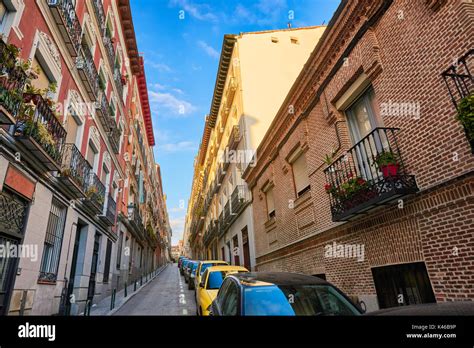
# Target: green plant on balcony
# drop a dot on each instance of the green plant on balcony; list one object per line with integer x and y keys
{"x": 91, "y": 191}
{"x": 388, "y": 163}
{"x": 466, "y": 115}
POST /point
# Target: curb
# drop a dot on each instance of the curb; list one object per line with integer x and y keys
{"x": 113, "y": 311}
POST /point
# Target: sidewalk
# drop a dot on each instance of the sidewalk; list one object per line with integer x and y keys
{"x": 103, "y": 307}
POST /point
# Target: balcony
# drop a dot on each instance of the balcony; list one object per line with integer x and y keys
{"x": 38, "y": 129}
{"x": 220, "y": 174}
{"x": 460, "y": 83}
{"x": 95, "y": 194}
{"x": 109, "y": 49}
{"x": 88, "y": 72}
{"x": 118, "y": 83}
{"x": 114, "y": 136}
{"x": 211, "y": 233}
{"x": 135, "y": 220}
{"x": 227, "y": 213}
{"x": 99, "y": 14}
{"x": 12, "y": 82}
{"x": 65, "y": 16}
{"x": 371, "y": 174}
{"x": 234, "y": 138}
{"x": 103, "y": 111}
{"x": 109, "y": 212}
{"x": 239, "y": 199}
{"x": 221, "y": 225}
{"x": 74, "y": 171}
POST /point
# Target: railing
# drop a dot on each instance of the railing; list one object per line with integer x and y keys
{"x": 40, "y": 123}
{"x": 96, "y": 192}
{"x": 459, "y": 79}
{"x": 114, "y": 137}
{"x": 110, "y": 210}
{"x": 221, "y": 224}
{"x": 75, "y": 166}
{"x": 64, "y": 13}
{"x": 12, "y": 82}
{"x": 234, "y": 138}
{"x": 90, "y": 76}
{"x": 227, "y": 213}
{"x": 371, "y": 173}
{"x": 240, "y": 196}
{"x": 103, "y": 110}
{"x": 118, "y": 83}
{"x": 109, "y": 48}
{"x": 99, "y": 14}
{"x": 136, "y": 219}
{"x": 220, "y": 173}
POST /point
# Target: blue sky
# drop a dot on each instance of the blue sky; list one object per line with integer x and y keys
{"x": 181, "y": 60}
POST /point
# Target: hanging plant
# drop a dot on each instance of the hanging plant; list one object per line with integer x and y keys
{"x": 466, "y": 115}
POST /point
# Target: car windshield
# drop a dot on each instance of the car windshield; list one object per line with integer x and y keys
{"x": 206, "y": 266}
{"x": 296, "y": 300}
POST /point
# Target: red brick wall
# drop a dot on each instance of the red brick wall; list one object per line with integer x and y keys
{"x": 404, "y": 53}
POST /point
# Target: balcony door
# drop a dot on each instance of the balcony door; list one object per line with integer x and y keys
{"x": 362, "y": 121}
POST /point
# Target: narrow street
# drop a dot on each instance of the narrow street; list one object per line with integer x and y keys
{"x": 167, "y": 294}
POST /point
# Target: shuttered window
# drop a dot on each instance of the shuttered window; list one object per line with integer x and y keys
{"x": 300, "y": 174}
{"x": 270, "y": 203}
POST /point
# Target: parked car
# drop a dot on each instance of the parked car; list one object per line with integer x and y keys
{"x": 202, "y": 266}
{"x": 192, "y": 275}
{"x": 457, "y": 308}
{"x": 187, "y": 270}
{"x": 183, "y": 266}
{"x": 211, "y": 280}
{"x": 280, "y": 293}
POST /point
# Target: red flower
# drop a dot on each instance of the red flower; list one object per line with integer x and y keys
{"x": 361, "y": 181}
{"x": 327, "y": 187}
{"x": 350, "y": 175}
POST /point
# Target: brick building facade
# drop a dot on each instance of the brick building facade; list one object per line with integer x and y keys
{"x": 372, "y": 86}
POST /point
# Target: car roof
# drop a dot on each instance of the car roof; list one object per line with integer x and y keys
{"x": 444, "y": 308}
{"x": 226, "y": 268}
{"x": 277, "y": 278}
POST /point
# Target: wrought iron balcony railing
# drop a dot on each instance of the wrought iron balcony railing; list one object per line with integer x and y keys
{"x": 40, "y": 131}
{"x": 110, "y": 211}
{"x": 12, "y": 82}
{"x": 222, "y": 225}
{"x": 114, "y": 136}
{"x": 95, "y": 194}
{"x": 109, "y": 48}
{"x": 372, "y": 173}
{"x": 227, "y": 212}
{"x": 136, "y": 220}
{"x": 220, "y": 174}
{"x": 234, "y": 138}
{"x": 103, "y": 110}
{"x": 118, "y": 83}
{"x": 239, "y": 198}
{"x": 88, "y": 72}
{"x": 74, "y": 170}
{"x": 459, "y": 79}
{"x": 64, "y": 14}
{"x": 99, "y": 14}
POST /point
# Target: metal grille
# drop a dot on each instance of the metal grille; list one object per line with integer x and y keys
{"x": 53, "y": 242}
{"x": 12, "y": 214}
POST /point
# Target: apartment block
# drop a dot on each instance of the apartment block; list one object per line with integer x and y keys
{"x": 80, "y": 191}
{"x": 369, "y": 182}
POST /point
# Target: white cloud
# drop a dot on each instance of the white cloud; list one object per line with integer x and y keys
{"x": 262, "y": 13}
{"x": 210, "y": 51}
{"x": 201, "y": 12}
{"x": 177, "y": 225}
{"x": 179, "y": 146}
{"x": 157, "y": 86}
{"x": 161, "y": 67}
{"x": 178, "y": 107}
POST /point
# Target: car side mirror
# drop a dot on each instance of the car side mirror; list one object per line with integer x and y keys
{"x": 201, "y": 285}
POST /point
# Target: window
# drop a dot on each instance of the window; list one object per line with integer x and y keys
{"x": 108, "y": 255}
{"x": 119, "y": 250}
{"x": 3, "y": 13}
{"x": 53, "y": 242}
{"x": 72, "y": 127}
{"x": 361, "y": 116}
{"x": 402, "y": 285}
{"x": 91, "y": 155}
{"x": 102, "y": 79}
{"x": 43, "y": 81}
{"x": 270, "y": 203}
{"x": 231, "y": 299}
{"x": 300, "y": 175}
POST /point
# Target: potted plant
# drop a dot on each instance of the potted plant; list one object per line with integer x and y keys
{"x": 387, "y": 163}
{"x": 466, "y": 116}
{"x": 92, "y": 190}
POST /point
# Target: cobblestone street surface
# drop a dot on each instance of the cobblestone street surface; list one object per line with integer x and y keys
{"x": 167, "y": 294}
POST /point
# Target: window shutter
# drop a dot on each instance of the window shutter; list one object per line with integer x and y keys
{"x": 300, "y": 174}
{"x": 270, "y": 201}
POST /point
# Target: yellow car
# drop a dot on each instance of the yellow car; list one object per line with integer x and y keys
{"x": 202, "y": 266}
{"x": 211, "y": 281}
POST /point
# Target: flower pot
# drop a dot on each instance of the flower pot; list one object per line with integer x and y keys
{"x": 389, "y": 170}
